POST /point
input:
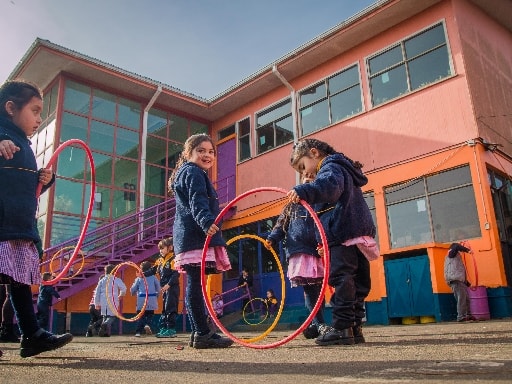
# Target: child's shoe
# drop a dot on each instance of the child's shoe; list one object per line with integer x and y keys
{"x": 163, "y": 333}
{"x": 137, "y": 334}
{"x": 147, "y": 329}
{"x": 42, "y": 343}
{"x": 211, "y": 340}
{"x": 358, "y": 334}
{"x": 171, "y": 332}
{"x": 311, "y": 332}
{"x": 191, "y": 340}
{"x": 333, "y": 336}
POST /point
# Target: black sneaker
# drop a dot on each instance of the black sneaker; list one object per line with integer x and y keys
{"x": 191, "y": 340}
{"x": 45, "y": 342}
{"x": 333, "y": 336}
{"x": 358, "y": 334}
{"x": 211, "y": 340}
{"x": 311, "y": 332}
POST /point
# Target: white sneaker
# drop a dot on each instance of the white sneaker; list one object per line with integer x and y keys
{"x": 137, "y": 335}
{"x": 147, "y": 329}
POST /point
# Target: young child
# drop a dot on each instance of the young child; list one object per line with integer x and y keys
{"x": 455, "y": 276}
{"x": 305, "y": 266}
{"x": 245, "y": 280}
{"x": 337, "y": 197}
{"x": 197, "y": 207}
{"x": 21, "y": 105}
{"x": 139, "y": 288}
{"x": 218, "y": 305}
{"x": 116, "y": 289}
{"x": 44, "y": 301}
{"x": 272, "y": 303}
{"x": 8, "y": 334}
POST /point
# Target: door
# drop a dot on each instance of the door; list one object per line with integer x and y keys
{"x": 409, "y": 287}
{"x": 226, "y": 171}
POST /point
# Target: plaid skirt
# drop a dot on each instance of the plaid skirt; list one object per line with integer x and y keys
{"x": 19, "y": 262}
{"x": 216, "y": 260}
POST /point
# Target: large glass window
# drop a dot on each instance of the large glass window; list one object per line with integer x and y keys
{"x": 439, "y": 208}
{"x": 413, "y": 63}
{"x": 77, "y": 97}
{"x": 336, "y": 98}
{"x": 369, "y": 197}
{"x": 244, "y": 140}
{"x": 104, "y": 106}
{"x": 274, "y": 126}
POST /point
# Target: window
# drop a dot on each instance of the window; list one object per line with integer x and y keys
{"x": 330, "y": 101}
{"x": 274, "y": 126}
{"x": 223, "y": 133}
{"x": 370, "y": 201}
{"x": 244, "y": 140}
{"x": 439, "y": 208}
{"x": 413, "y": 63}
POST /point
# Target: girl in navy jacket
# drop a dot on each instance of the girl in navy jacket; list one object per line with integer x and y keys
{"x": 197, "y": 207}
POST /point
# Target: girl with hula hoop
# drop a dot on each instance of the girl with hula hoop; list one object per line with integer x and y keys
{"x": 106, "y": 301}
{"x": 349, "y": 228}
{"x": 21, "y": 105}
{"x": 197, "y": 207}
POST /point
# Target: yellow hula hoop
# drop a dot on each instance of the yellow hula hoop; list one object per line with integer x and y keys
{"x": 110, "y": 302}
{"x": 283, "y": 286}
{"x": 260, "y": 320}
{"x": 58, "y": 253}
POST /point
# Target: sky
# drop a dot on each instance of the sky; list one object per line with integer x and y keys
{"x": 201, "y": 47}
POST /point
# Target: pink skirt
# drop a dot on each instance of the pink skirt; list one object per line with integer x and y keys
{"x": 216, "y": 259}
{"x": 19, "y": 261}
{"x": 304, "y": 269}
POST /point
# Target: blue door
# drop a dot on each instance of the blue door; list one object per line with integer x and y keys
{"x": 409, "y": 287}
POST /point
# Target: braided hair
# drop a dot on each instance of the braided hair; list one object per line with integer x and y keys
{"x": 303, "y": 147}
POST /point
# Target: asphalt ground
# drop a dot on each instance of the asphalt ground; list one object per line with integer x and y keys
{"x": 479, "y": 352}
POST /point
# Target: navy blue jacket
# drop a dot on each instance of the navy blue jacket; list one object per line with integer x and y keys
{"x": 298, "y": 231}
{"x": 45, "y": 294}
{"x": 338, "y": 200}
{"x": 19, "y": 178}
{"x": 197, "y": 207}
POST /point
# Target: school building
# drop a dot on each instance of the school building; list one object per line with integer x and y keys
{"x": 420, "y": 92}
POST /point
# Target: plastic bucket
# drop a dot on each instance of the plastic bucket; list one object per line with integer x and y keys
{"x": 479, "y": 303}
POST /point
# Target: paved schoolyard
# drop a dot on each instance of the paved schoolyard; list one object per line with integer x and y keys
{"x": 420, "y": 353}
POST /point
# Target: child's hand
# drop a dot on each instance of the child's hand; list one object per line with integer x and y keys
{"x": 8, "y": 149}
{"x": 293, "y": 197}
{"x": 45, "y": 176}
{"x": 212, "y": 230}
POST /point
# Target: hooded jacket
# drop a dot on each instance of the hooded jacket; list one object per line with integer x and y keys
{"x": 20, "y": 177}
{"x": 197, "y": 207}
{"x": 338, "y": 200}
{"x": 454, "y": 269}
{"x": 298, "y": 232}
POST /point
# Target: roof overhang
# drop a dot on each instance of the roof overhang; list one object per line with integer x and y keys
{"x": 45, "y": 60}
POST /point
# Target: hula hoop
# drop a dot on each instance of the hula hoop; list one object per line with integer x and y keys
{"x": 52, "y": 160}
{"x": 283, "y": 285}
{"x": 112, "y": 304}
{"x": 58, "y": 253}
{"x": 324, "y": 283}
{"x": 260, "y": 320}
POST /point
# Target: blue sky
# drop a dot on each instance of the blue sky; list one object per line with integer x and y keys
{"x": 199, "y": 46}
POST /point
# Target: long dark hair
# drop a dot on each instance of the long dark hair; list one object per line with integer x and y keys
{"x": 191, "y": 143}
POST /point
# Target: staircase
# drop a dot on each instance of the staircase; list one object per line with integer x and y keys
{"x": 131, "y": 238}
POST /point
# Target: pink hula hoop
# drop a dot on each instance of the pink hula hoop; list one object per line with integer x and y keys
{"x": 52, "y": 160}
{"x": 324, "y": 283}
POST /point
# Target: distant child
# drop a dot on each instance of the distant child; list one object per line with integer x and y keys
{"x": 296, "y": 227}
{"x": 96, "y": 319}
{"x": 21, "y": 105}
{"x": 338, "y": 199}
{"x": 197, "y": 207}
{"x": 455, "y": 276}
{"x": 106, "y": 299}
{"x": 271, "y": 303}
{"x": 246, "y": 281}
{"x": 44, "y": 301}
{"x": 146, "y": 292}
{"x": 218, "y": 305}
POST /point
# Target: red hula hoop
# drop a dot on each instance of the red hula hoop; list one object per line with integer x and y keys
{"x": 52, "y": 160}
{"x": 324, "y": 283}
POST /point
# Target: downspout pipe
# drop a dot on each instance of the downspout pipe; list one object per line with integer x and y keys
{"x": 143, "y": 151}
{"x": 293, "y": 96}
